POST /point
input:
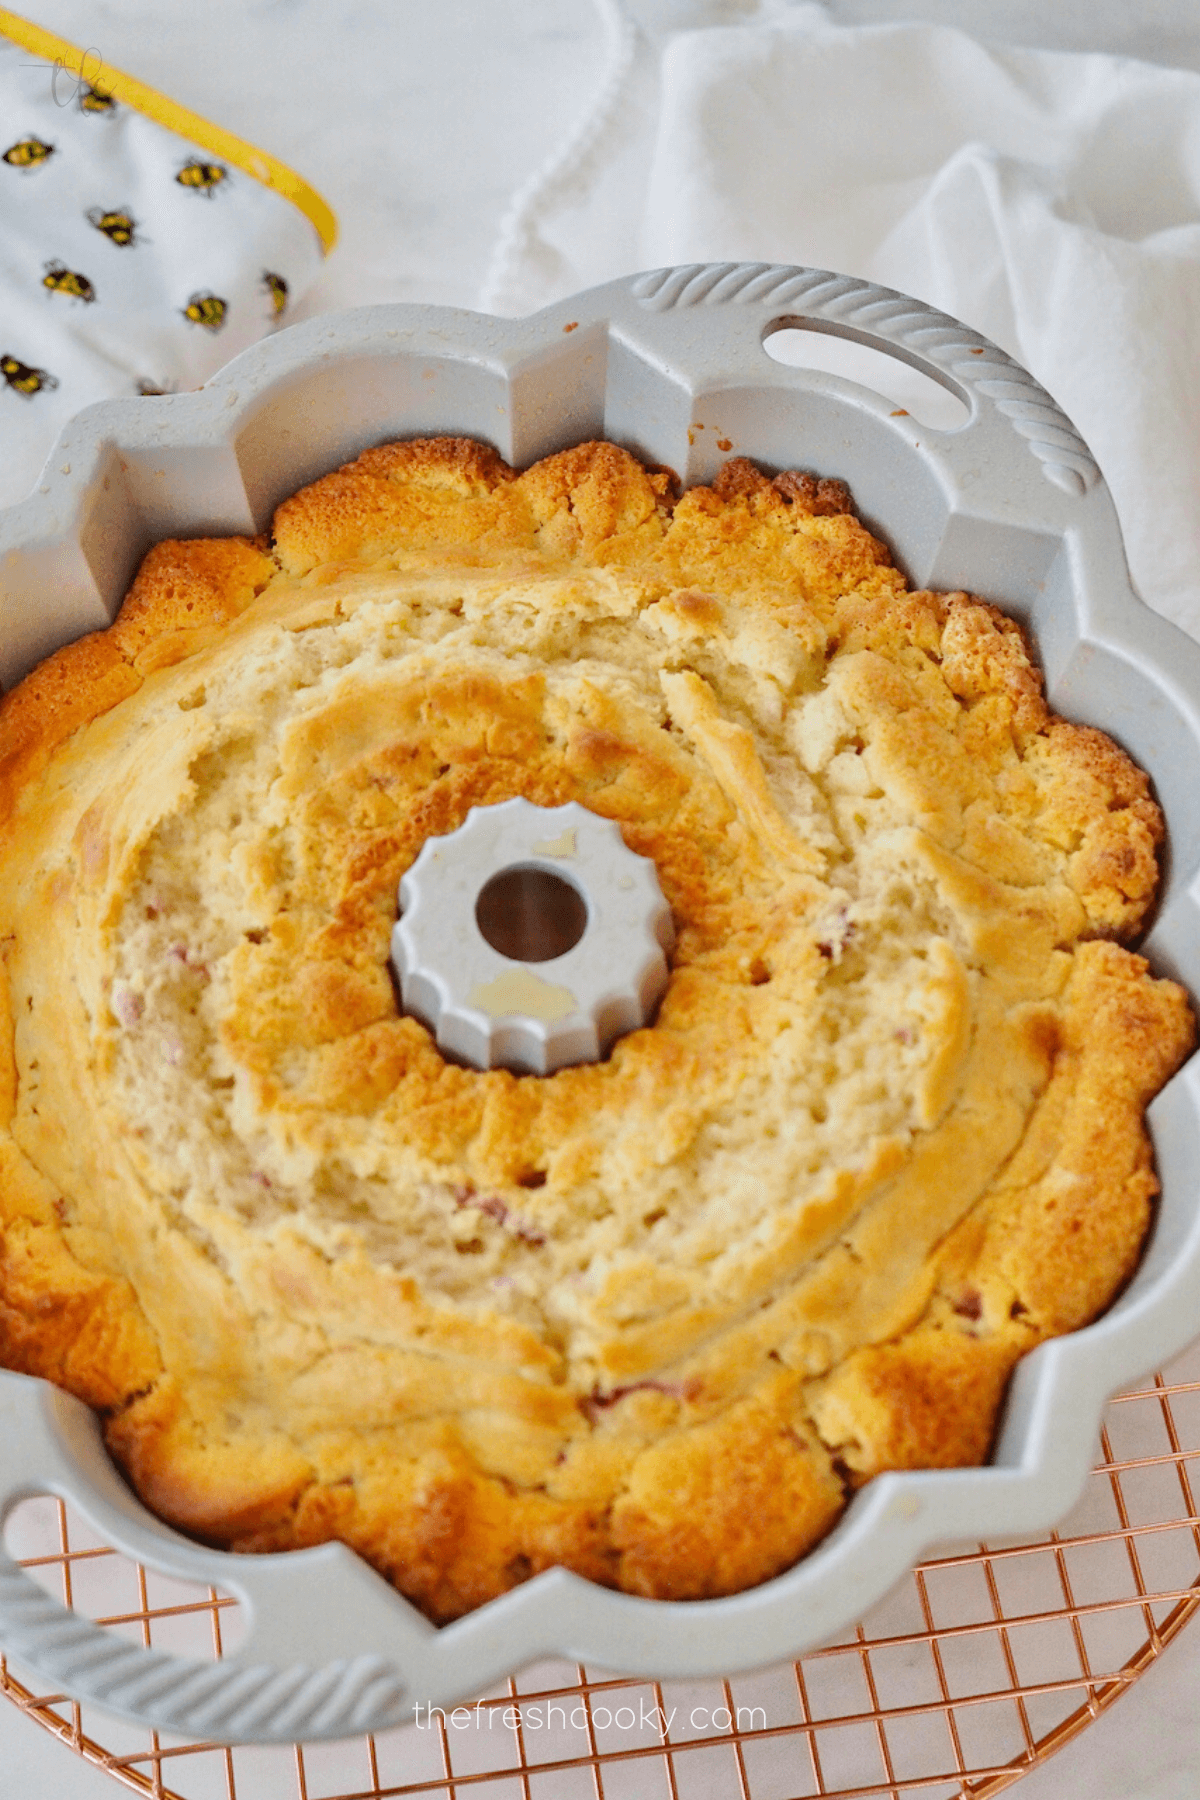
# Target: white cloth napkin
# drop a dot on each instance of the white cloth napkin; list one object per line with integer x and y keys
{"x": 1049, "y": 199}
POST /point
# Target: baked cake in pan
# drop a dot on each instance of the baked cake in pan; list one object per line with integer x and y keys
{"x": 654, "y": 1318}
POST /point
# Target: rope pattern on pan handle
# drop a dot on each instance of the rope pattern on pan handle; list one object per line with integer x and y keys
{"x": 228, "y": 1700}
{"x": 891, "y": 319}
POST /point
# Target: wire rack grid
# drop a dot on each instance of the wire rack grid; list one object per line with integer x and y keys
{"x": 974, "y": 1670}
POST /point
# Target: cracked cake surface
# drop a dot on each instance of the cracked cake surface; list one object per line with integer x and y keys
{"x": 653, "y": 1318}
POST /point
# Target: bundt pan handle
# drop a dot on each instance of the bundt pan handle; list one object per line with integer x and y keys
{"x": 1007, "y": 406}
{"x": 1016, "y": 466}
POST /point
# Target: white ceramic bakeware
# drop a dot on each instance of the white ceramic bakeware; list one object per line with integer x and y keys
{"x": 671, "y": 364}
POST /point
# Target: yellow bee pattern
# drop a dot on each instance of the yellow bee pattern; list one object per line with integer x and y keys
{"x": 156, "y": 334}
{"x": 94, "y": 100}
{"x": 277, "y": 287}
{"x": 118, "y": 226}
{"x": 208, "y": 310}
{"x": 61, "y": 280}
{"x": 202, "y": 177}
{"x": 24, "y": 379}
{"x": 29, "y": 153}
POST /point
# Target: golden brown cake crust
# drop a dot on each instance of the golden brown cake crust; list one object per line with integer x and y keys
{"x": 652, "y": 1318}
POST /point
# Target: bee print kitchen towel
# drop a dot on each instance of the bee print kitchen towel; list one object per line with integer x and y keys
{"x": 140, "y": 246}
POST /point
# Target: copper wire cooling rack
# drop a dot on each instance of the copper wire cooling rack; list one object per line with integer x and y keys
{"x": 974, "y": 1670}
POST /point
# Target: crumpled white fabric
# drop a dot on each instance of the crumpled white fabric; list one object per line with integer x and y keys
{"x": 116, "y": 278}
{"x": 1049, "y": 199}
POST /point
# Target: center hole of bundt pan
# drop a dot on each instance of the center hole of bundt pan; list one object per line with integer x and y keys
{"x": 531, "y": 937}
{"x": 530, "y": 914}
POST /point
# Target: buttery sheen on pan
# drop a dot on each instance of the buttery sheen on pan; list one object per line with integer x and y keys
{"x": 653, "y": 1318}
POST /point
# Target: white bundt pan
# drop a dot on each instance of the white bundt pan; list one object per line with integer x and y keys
{"x": 1010, "y": 506}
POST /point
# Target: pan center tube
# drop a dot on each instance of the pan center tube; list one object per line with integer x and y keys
{"x": 531, "y": 938}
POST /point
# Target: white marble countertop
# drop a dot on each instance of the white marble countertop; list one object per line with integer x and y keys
{"x": 417, "y": 122}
